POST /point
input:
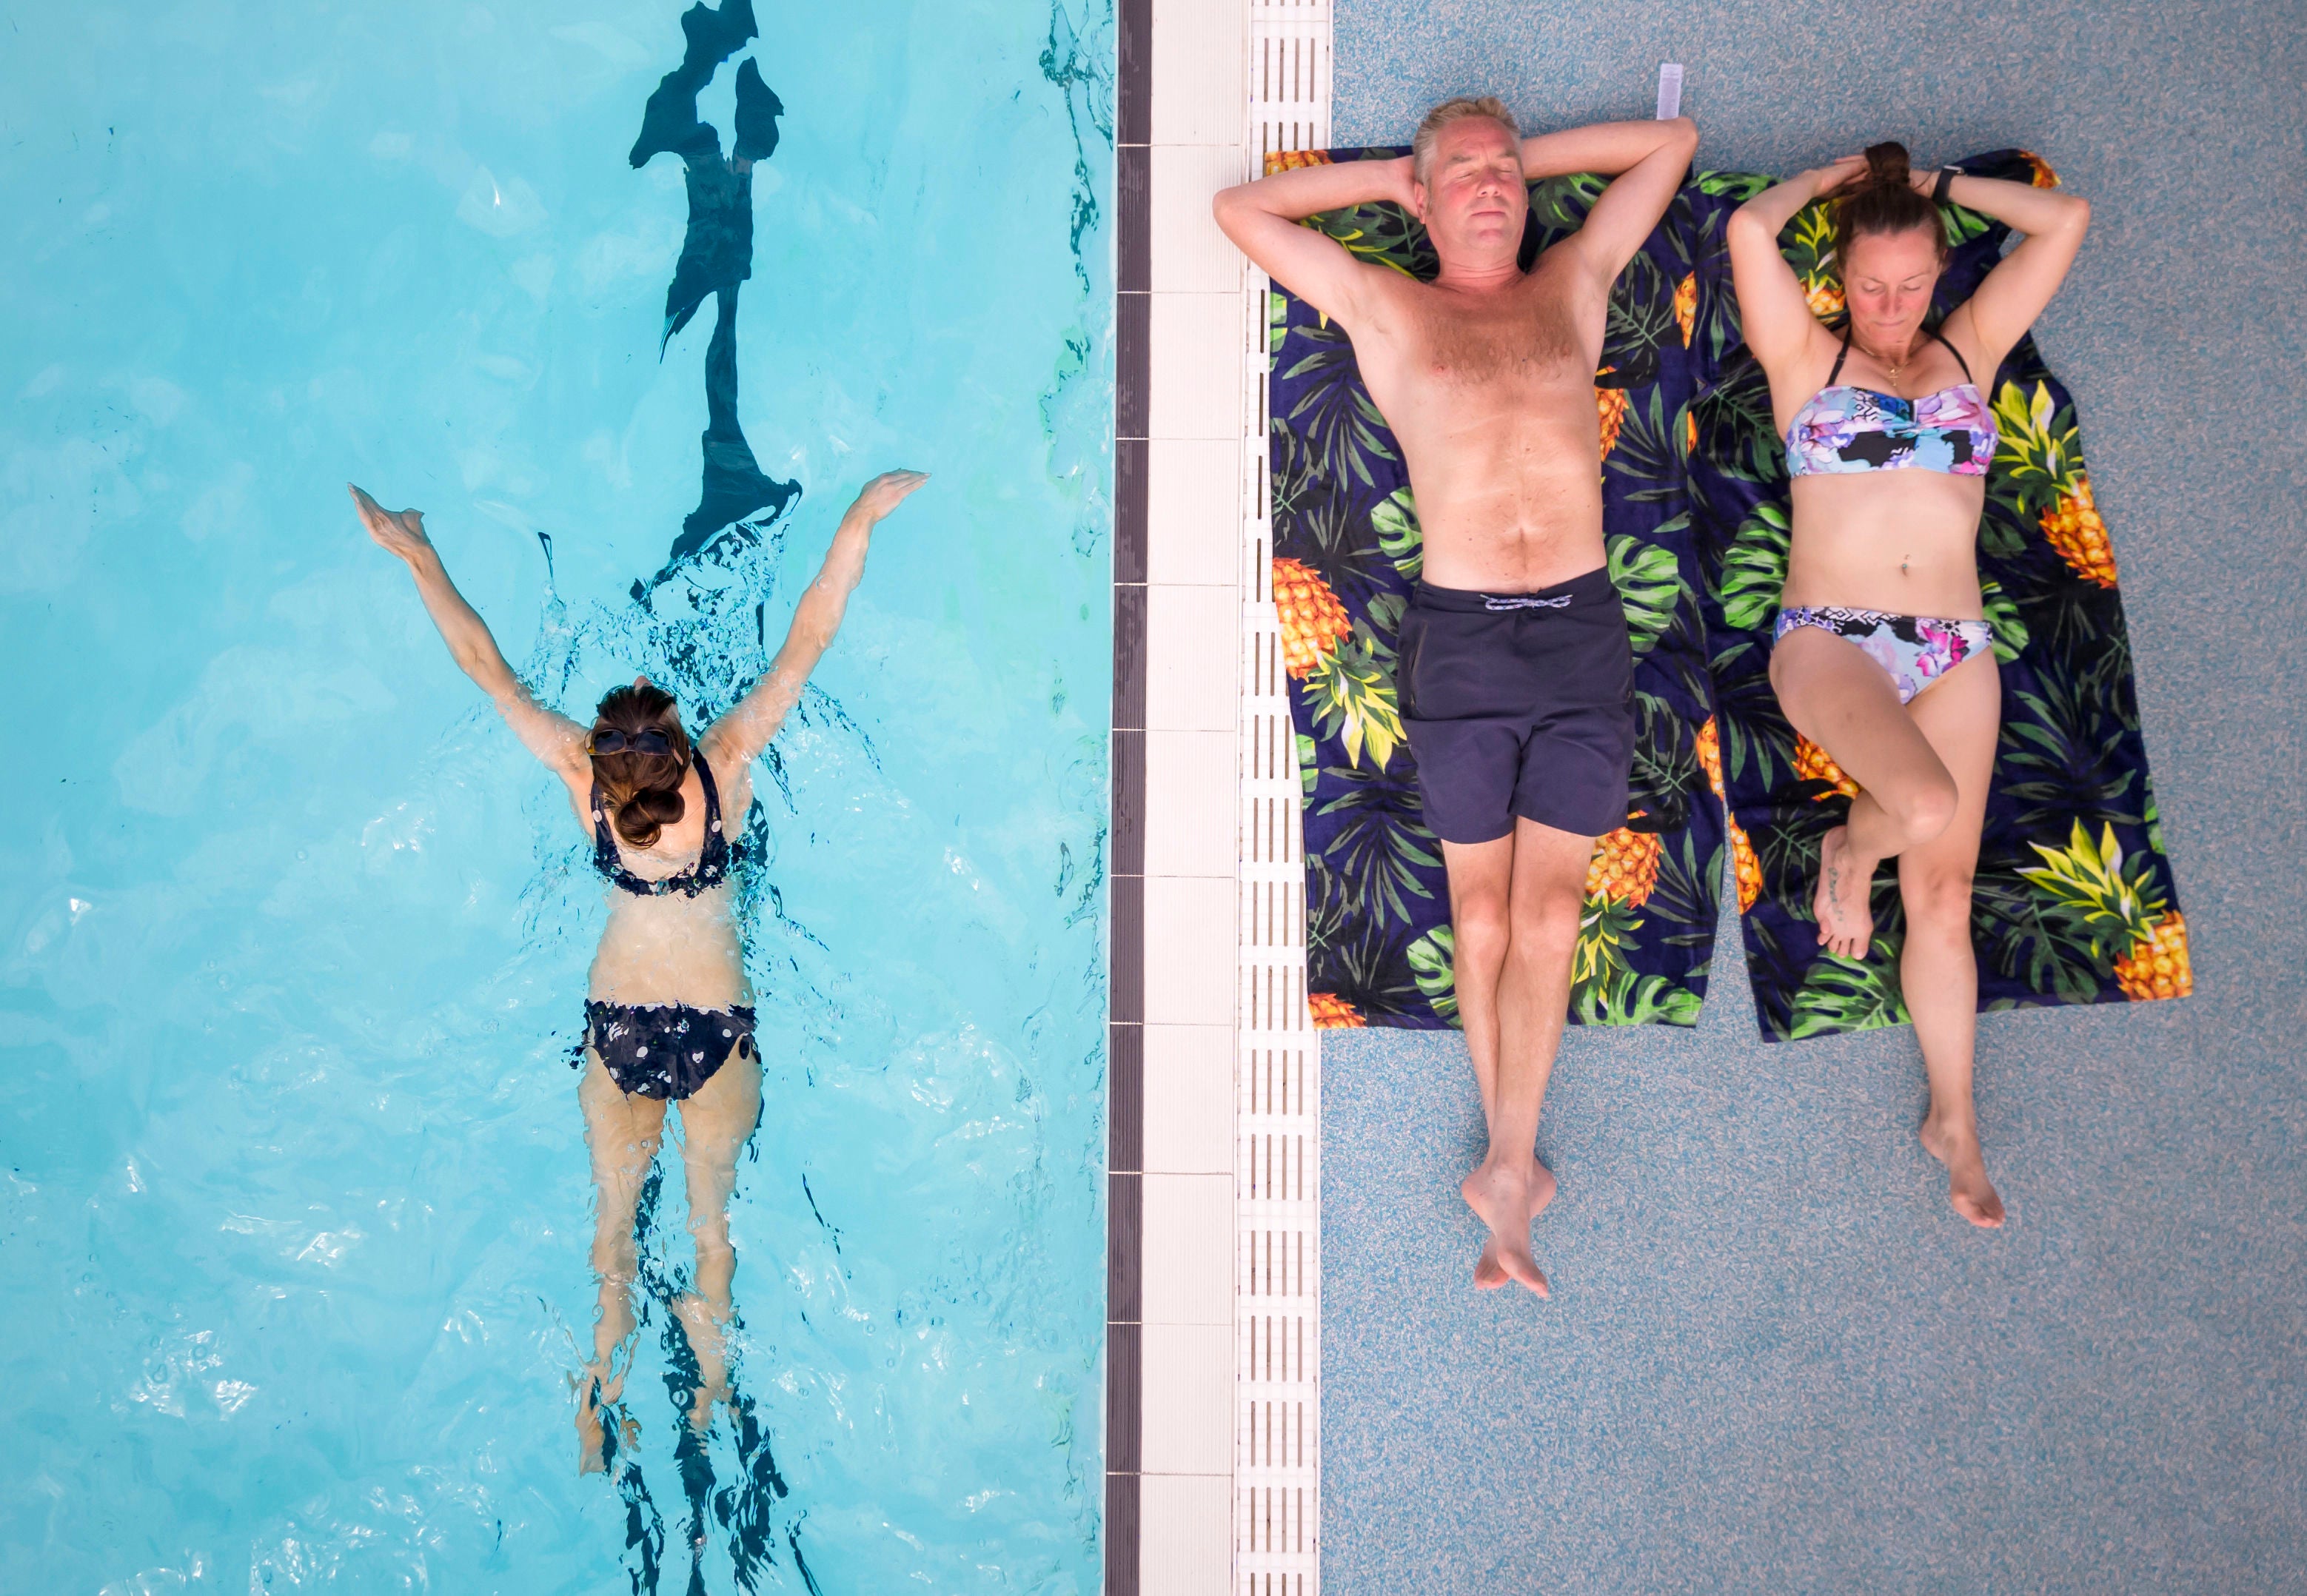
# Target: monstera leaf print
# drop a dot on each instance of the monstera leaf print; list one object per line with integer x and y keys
{"x": 1433, "y": 964}
{"x": 1395, "y": 519}
{"x": 1649, "y": 579}
{"x": 1841, "y": 995}
{"x": 1754, "y": 570}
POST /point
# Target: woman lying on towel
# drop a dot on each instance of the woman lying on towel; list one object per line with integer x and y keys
{"x": 1883, "y": 656}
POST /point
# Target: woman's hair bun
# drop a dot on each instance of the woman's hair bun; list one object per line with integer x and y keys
{"x": 1886, "y": 164}
{"x": 1883, "y": 202}
{"x": 643, "y": 790}
{"x": 644, "y": 814}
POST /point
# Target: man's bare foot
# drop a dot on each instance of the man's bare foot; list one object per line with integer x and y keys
{"x": 592, "y": 1437}
{"x": 1846, "y": 920}
{"x": 1972, "y": 1194}
{"x": 1489, "y": 1275}
{"x": 704, "y": 1331}
{"x": 1500, "y": 1196}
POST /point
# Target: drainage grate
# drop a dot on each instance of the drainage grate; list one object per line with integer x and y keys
{"x": 1278, "y": 1079}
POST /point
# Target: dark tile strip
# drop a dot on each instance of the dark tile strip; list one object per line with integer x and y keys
{"x": 1129, "y": 655}
{"x": 1128, "y": 812}
{"x": 1129, "y": 511}
{"x": 1125, "y": 1035}
{"x": 1122, "y": 1518}
{"x": 1125, "y": 1199}
{"x": 1126, "y": 1131}
{"x": 1133, "y": 338}
{"x": 1133, "y": 227}
{"x": 1127, "y": 1001}
{"x": 1134, "y": 112}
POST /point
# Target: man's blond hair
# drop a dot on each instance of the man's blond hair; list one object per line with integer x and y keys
{"x": 1421, "y": 147}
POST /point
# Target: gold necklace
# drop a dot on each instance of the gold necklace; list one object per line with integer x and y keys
{"x": 1894, "y": 368}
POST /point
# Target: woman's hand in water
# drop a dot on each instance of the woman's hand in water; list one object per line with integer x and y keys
{"x": 398, "y": 531}
{"x": 886, "y": 492}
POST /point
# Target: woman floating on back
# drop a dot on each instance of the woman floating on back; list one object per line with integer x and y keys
{"x": 670, "y": 1013}
{"x": 1884, "y": 656}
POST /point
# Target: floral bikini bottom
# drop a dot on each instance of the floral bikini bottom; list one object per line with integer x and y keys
{"x": 1913, "y": 650}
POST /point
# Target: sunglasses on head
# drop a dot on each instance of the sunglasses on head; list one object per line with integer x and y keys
{"x": 611, "y": 740}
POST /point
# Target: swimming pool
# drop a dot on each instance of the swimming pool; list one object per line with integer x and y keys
{"x": 292, "y": 934}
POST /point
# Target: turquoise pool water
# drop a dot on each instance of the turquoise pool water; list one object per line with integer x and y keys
{"x": 292, "y": 934}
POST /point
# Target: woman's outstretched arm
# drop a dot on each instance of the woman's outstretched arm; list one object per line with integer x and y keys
{"x": 739, "y": 736}
{"x": 2023, "y": 281}
{"x": 555, "y": 738}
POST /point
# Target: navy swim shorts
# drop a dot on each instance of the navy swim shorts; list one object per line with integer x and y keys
{"x": 1518, "y": 704}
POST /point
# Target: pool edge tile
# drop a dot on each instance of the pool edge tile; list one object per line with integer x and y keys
{"x": 1126, "y": 990}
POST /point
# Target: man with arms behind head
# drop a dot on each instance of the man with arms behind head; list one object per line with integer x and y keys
{"x": 1515, "y": 676}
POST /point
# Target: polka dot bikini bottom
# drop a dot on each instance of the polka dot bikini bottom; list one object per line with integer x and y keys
{"x": 664, "y": 1050}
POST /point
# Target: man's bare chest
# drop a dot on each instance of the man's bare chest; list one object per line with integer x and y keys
{"x": 1444, "y": 349}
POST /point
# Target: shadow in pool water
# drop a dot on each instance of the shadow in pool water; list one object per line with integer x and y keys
{"x": 749, "y": 1512}
{"x": 717, "y": 257}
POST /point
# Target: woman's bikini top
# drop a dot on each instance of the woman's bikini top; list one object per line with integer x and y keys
{"x": 710, "y": 869}
{"x": 1858, "y": 429}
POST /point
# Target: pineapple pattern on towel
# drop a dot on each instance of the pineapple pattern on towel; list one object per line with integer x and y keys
{"x": 2074, "y": 901}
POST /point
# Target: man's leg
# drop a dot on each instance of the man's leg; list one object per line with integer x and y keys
{"x": 1481, "y": 889}
{"x": 1528, "y": 1004}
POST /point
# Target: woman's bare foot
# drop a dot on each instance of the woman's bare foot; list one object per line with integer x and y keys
{"x": 1972, "y": 1194}
{"x": 1500, "y": 1196}
{"x": 592, "y": 1437}
{"x": 704, "y": 1331}
{"x": 1846, "y": 919}
{"x": 1489, "y": 1275}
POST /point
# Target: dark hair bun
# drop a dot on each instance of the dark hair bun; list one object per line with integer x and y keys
{"x": 1885, "y": 202}
{"x": 643, "y": 789}
{"x": 641, "y": 817}
{"x": 1886, "y": 165}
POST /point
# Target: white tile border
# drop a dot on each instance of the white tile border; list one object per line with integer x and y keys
{"x": 1230, "y": 1486}
{"x": 1189, "y": 808}
{"x": 1195, "y": 408}
{"x": 1189, "y": 1102}
{"x": 1194, "y": 494}
{"x": 1185, "y": 1530}
{"x": 1189, "y": 659}
{"x": 1188, "y": 1366}
{"x": 1185, "y": 1279}
{"x": 1194, "y": 390}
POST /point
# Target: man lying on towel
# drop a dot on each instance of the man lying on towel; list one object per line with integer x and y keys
{"x": 1515, "y": 677}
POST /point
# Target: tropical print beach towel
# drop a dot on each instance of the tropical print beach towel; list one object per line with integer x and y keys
{"x": 2074, "y": 900}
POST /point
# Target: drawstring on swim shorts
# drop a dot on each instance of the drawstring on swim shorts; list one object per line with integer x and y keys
{"x": 1523, "y": 601}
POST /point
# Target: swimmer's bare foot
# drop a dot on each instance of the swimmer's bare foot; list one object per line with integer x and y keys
{"x": 704, "y": 1331}
{"x": 1972, "y": 1194}
{"x": 1500, "y": 1196}
{"x": 592, "y": 1437}
{"x": 1489, "y": 1275}
{"x": 1846, "y": 922}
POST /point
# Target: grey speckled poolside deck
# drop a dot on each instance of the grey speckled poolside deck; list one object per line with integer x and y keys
{"x": 1775, "y": 1361}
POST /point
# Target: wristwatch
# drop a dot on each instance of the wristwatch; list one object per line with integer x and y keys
{"x": 1947, "y": 175}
